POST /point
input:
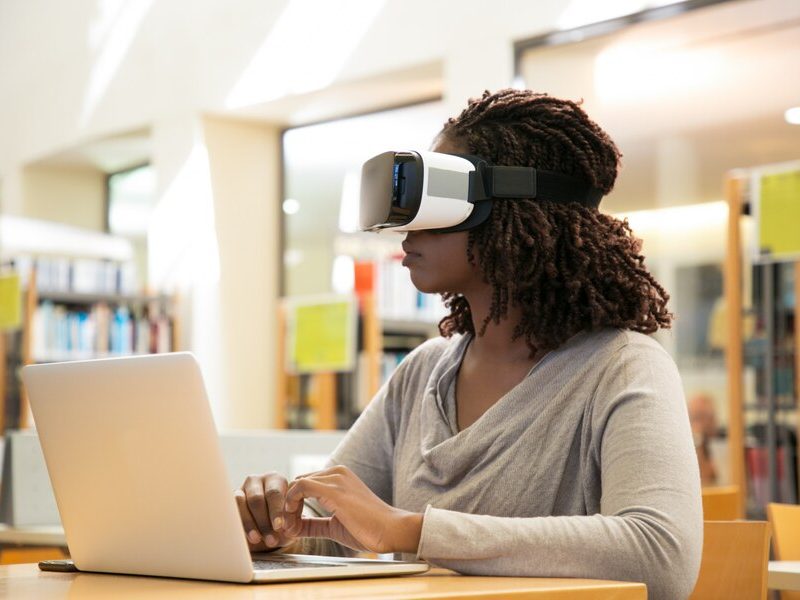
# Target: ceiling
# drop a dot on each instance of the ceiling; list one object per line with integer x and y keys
{"x": 107, "y": 154}
{"x": 686, "y": 98}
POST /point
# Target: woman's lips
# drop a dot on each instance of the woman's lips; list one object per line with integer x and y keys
{"x": 410, "y": 258}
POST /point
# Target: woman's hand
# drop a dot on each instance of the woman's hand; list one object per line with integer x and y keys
{"x": 360, "y": 520}
{"x": 261, "y": 501}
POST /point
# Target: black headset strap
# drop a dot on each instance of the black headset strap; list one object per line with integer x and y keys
{"x": 492, "y": 181}
{"x": 489, "y": 182}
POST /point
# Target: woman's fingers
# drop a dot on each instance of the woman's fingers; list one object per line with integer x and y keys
{"x": 254, "y": 492}
{"x": 265, "y": 496}
{"x": 359, "y": 519}
{"x": 250, "y": 528}
{"x": 271, "y": 510}
{"x": 307, "y": 488}
{"x": 275, "y": 489}
{"x": 293, "y": 520}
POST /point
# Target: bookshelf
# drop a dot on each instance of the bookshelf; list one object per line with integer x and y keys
{"x": 64, "y": 325}
{"x": 79, "y": 302}
{"x": 763, "y": 413}
{"x": 394, "y": 318}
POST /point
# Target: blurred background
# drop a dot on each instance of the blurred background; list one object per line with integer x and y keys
{"x": 184, "y": 176}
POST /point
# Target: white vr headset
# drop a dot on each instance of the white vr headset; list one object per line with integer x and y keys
{"x": 407, "y": 191}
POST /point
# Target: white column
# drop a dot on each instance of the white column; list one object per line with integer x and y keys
{"x": 182, "y": 246}
{"x": 244, "y": 165}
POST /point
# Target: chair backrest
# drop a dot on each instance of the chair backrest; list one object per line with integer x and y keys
{"x": 734, "y": 563}
{"x": 785, "y": 522}
{"x": 721, "y": 503}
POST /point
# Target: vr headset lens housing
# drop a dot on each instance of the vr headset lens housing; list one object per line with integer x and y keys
{"x": 414, "y": 190}
{"x": 407, "y": 191}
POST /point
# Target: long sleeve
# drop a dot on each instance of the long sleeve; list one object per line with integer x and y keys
{"x": 368, "y": 447}
{"x": 367, "y": 451}
{"x": 649, "y": 527}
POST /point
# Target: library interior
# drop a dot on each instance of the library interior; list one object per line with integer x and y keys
{"x": 186, "y": 177}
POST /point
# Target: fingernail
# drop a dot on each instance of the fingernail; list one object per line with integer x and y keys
{"x": 278, "y": 523}
{"x": 253, "y": 536}
{"x": 271, "y": 541}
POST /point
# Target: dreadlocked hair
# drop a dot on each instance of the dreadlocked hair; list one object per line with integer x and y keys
{"x": 568, "y": 267}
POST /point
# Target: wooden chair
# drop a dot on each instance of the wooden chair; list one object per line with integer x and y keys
{"x": 734, "y": 563}
{"x": 785, "y": 521}
{"x": 721, "y": 503}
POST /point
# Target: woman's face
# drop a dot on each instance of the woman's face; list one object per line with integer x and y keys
{"x": 438, "y": 262}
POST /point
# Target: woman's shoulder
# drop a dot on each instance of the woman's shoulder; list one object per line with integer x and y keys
{"x": 430, "y": 351}
{"x": 612, "y": 358}
{"x": 634, "y": 360}
{"x": 624, "y": 344}
{"x": 421, "y": 360}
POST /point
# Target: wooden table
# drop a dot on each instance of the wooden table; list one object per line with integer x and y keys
{"x": 784, "y": 575}
{"x": 26, "y": 581}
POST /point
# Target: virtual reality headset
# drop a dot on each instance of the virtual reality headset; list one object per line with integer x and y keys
{"x": 407, "y": 191}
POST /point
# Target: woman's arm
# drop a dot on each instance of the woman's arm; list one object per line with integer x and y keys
{"x": 650, "y": 523}
{"x": 367, "y": 450}
{"x": 368, "y": 447}
{"x": 261, "y": 498}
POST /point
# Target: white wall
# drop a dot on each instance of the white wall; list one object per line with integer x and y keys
{"x": 74, "y": 71}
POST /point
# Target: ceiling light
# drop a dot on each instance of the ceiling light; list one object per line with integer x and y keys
{"x": 291, "y": 206}
{"x": 792, "y": 115}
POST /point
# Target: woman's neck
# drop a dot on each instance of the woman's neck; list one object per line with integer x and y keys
{"x": 496, "y": 343}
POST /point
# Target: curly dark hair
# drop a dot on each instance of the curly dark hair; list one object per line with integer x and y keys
{"x": 568, "y": 267}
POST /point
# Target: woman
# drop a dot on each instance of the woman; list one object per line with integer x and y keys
{"x": 544, "y": 434}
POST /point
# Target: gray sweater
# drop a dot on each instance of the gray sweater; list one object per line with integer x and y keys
{"x": 584, "y": 469}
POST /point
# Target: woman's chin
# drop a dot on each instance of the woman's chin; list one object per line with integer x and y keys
{"x": 424, "y": 285}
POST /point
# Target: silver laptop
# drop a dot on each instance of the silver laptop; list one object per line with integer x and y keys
{"x": 139, "y": 480}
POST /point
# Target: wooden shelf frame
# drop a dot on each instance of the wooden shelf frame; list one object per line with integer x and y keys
{"x": 322, "y": 386}
{"x": 736, "y": 186}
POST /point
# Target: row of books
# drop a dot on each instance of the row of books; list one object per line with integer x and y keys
{"x": 80, "y": 275}
{"x": 66, "y": 333}
{"x": 397, "y": 298}
{"x": 757, "y": 464}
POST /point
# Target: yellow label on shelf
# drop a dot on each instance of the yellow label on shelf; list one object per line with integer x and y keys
{"x": 323, "y": 336}
{"x": 10, "y": 301}
{"x": 779, "y": 215}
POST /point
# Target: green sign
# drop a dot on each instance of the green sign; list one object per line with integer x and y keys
{"x": 10, "y": 301}
{"x": 778, "y": 214}
{"x": 322, "y": 334}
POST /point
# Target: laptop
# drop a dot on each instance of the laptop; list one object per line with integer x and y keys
{"x": 139, "y": 480}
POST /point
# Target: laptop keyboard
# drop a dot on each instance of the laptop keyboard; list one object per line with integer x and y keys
{"x": 271, "y": 565}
